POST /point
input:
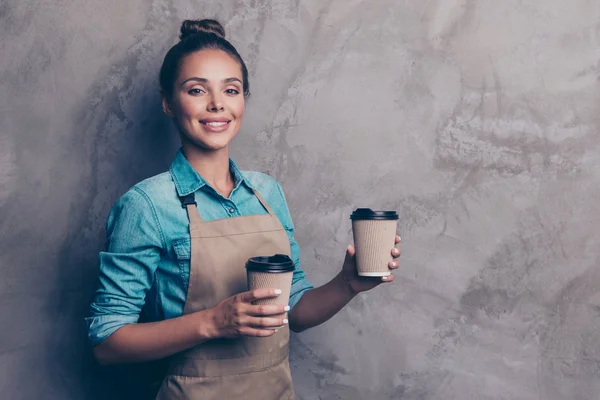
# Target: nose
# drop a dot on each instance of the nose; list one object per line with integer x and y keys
{"x": 215, "y": 104}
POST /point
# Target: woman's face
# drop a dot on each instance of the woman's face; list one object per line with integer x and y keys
{"x": 207, "y": 103}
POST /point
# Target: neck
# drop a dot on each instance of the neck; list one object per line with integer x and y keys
{"x": 213, "y": 166}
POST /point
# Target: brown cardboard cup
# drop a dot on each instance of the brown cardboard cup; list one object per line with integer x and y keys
{"x": 374, "y": 238}
{"x": 271, "y": 272}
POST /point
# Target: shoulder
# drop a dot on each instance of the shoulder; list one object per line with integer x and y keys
{"x": 271, "y": 190}
{"x": 155, "y": 185}
{"x": 155, "y": 192}
{"x": 265, "y": 184}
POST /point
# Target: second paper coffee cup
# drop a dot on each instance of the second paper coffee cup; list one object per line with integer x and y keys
{"x": 374, "y": 238}
{"x": 271, "y": 272}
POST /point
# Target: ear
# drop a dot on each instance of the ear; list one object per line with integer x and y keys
{"x": 166, "y": 106}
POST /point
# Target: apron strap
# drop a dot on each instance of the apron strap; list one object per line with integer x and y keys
{"x": 264, "y": 203}
{"x": 189, "y": 203}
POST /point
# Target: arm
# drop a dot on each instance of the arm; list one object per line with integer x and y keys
{"x": 312, "y": 307}
{"x": 318, "y": 305}
{"x": 155, "y": 340}
{"x": 127, "y": 269}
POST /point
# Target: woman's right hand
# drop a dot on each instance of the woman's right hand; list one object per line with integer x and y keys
{"x": 237, "y": 316}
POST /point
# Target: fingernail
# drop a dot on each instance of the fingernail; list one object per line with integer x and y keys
{"x": 277, "y": 291}
{"x": 285, "y": 321}
{"x": 286, "y": 308}
{"x": 384, "y": 278}
{"x": 276, "y": 329}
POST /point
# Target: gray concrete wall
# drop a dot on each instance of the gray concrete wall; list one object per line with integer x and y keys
{"x": 477, "y": 121}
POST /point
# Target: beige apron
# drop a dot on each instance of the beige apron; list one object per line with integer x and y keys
{"x": 242, "y": 368}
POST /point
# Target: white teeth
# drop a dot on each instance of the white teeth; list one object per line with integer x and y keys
{"x": 216, "y": 123}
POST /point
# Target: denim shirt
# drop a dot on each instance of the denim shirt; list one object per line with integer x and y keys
{"x": 147, "y": 258}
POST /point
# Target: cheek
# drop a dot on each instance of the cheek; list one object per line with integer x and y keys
{"x": 189, "y": 108}
{"x": 239, "y": 109}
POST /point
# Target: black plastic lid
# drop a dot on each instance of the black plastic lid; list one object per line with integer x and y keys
{"x": 368, "y": 214}
{"x": 275, "y": 263}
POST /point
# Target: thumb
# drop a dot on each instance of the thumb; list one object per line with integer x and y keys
{"x": 349, "y": 261}
{"x": 350, "y": 251}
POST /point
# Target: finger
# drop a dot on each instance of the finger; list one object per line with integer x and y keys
{"x": 350, "y": 251}
{"x": 258, "y": 294}
{"x": 396, "y": 252}
{"x": 389, "y": 278}
{"x": 393, "y": 264}
{"x": 398, "y": 239}
{"x": 266, "y": 310}
{"x": 265, "y": 322}
{"x": 248, "y": 331}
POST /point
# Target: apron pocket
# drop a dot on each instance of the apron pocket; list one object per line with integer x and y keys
{"x": 270, "y": 384}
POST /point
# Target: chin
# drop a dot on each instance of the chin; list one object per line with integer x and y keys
{"x": 208, "y": 145}
{"x": 208, "y": 141}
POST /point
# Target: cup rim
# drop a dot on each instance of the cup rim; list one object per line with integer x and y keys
{"x": 368, "y": 214}
{"x": 277, "y": 263}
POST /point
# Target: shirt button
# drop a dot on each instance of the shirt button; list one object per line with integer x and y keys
{"x": 231, "y": 210}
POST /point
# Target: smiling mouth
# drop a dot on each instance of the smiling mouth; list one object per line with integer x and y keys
{"x": 215, "y": 124}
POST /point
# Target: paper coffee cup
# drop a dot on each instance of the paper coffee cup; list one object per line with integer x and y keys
{"x": 271, "y": 272}
{"x": 374, "y": 238}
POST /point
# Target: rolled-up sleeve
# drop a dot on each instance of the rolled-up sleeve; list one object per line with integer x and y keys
{"x": 299, "y": 282}
{"x": 133, "y": 250}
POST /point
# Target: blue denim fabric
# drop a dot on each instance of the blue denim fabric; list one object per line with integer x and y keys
{"x": 147, "y": 258}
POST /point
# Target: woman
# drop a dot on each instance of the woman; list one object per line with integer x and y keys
{"x": 178, "y": 241}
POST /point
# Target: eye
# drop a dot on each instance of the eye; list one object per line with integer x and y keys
{"x": 232, "y": 91}
{"x": 195, "y": 91}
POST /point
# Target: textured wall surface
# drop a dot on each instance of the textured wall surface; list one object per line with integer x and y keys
{"x": 478, "y": 121}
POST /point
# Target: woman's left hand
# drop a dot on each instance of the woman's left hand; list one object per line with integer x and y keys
{"x": 357, "y": 283}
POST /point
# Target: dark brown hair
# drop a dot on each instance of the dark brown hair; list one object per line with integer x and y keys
{"x": 198, "y": 35}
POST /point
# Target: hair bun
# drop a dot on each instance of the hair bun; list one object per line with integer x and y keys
{"x": 192, "y": 27}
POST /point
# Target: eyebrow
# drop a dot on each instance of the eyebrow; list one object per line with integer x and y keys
{"x": 204, "y": 80}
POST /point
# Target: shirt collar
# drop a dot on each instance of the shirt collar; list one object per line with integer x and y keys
{"x": 187, "y": 180}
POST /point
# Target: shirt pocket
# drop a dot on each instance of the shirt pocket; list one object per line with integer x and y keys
{"x": 182, "y": 250}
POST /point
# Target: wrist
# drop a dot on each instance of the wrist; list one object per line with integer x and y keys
{"x": 206, "y": 326}
{"x": 345, "y": 286}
